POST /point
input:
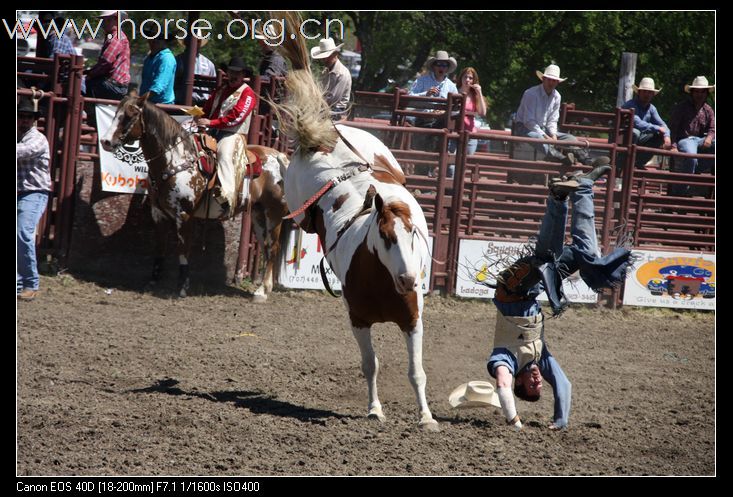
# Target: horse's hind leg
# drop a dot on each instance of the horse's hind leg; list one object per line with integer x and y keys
{"x": 370, "y": 368}
{"x": 259, "y": 224}
{"x": 416, "y": 373}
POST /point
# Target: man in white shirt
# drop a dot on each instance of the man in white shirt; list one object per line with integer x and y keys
{"x": 538, "y": 114}
{"x": 335, "y": 78}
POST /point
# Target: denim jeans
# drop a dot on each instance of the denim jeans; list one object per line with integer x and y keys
{"x": 691, "y": 145}
{"x": 106, "y": 88}
{"x": 650, "y": 139}
{"x": 551, "y": 236}
{"x": 31, "y": 206}
{"x": 544, "y": 148}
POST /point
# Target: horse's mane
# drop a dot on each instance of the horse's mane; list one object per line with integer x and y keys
{"x": 168, "y": 131}
{"x": 304, "y": 115}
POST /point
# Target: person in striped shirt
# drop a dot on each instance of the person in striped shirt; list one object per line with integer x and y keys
{"x": 110, "y": 76}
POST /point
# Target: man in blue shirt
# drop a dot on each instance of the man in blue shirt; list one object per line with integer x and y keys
{"x": 159, "y": 69}
{"x": 520, "y": 352}
{"x": 649, "y": 128}
{"x": 435, "y": 83}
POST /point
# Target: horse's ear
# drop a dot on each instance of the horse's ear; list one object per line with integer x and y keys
{"x": 143, "y": 98}
{"x": 378, "y": 203}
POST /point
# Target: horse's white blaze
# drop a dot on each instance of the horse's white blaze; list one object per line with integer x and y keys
{"x": 107, "y": 138}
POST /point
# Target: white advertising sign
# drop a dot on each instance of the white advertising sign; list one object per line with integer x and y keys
{"x": 125, "y": 169}
{"x": 672, "y": 279}
{"x": 475, "y": 259}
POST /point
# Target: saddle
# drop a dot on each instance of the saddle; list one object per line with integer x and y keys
{"x": 206, "y": 147}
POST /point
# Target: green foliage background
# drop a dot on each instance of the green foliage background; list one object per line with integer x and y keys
{"x": 507, "y": 47}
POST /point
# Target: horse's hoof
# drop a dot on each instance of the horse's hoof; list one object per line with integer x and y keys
{"x": 377, "y": 414}
{"x": 259, "y": 299}
{"x": 429, "y": 425}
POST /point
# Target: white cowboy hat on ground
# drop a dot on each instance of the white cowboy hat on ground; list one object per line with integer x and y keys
{"x": 699, "y": 83}
{"x": 325, "y": 48}
{"x": 551, "y": 72}
{"x": 474, "y": 394}
{"x": 646, "y": 84}
{"x": 442, "y": 56}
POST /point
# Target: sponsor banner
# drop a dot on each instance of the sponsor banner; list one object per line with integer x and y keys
{"x": 125, "y": 169}
{"x": 305, "y": 272}
{"x": 475, "y": 259}
{"x": 672, "y": 279}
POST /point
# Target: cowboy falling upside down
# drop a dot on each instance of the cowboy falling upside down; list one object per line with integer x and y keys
{"x": 520, "y": 351}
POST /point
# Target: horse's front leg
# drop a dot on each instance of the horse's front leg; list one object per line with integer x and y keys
{"x": 161, "y": 227}
{"x": 416, "y": 373}
{"x": 259, "y": 224}
{"x": 184, "y": 227}
{"x": 370, "y": 368}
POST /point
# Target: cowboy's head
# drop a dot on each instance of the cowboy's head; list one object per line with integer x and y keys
{"x": 646, "y": 90}
{"x": 699, "y": 90}
{"x": 27, "y": 115}
{"x": 236, "y": 71}
{"x": 550, "y": 78}
{"x": 528, "y": 383}
{"x": 441, "y": 65}
{"x": 109, "y": 20}
{"x": 326, "y": 52}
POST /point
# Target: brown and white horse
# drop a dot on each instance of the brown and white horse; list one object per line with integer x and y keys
{"x": 373, "y": 228}
{"x": 177, "y": 188}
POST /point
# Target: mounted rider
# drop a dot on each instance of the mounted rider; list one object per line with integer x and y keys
{"x": 228, "y": 113}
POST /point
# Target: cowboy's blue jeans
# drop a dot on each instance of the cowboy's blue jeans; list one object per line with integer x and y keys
{"x": 551, "y": 237}
{"x": 31, "y": 206}
{"x": 544, "y": 148}
{"x": 691, "y": 145}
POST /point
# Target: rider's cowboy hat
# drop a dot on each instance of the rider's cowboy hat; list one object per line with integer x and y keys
{"x": 646, "y": 84}
{"x": 26, "y": 107}
{"x": 551, "y": 72}
{"x": 474, "y": 394}
{"x": 699, "y": 83}
{"x": 236, "y": 64}
{"x": 325, "y": 48}
{"x": 442, "y": 56}
{"x": 108, "y": 13}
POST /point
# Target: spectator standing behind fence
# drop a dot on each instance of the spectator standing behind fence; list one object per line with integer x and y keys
{"x": 692, "y": 130}
{"x": 475, "y": 102}
{"x": 159, "y": 69}
{"x": 650, "y": 130}
{"x": 110, "y": 76}
{"x": 53, "y": 44}
{"x": 435, "y": 82}
{"x": 335, "y": 78}
{"x": 538, "y": 114}
{"x": 34, "y": 185}
{"x": 272, "y": 64}
{"x": 202, "y": 67}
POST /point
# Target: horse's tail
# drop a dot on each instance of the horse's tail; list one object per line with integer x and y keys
{"x": 304, "y": 115}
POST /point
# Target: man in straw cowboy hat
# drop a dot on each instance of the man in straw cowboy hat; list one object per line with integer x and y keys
{"x": 520, "y": 352}
{"x": 692, "y": 129}
{"x": 537, "y": 116}
{"x": 110, "y": 76}
{"x": 650, "y": 130}
{"x": 335, "y": 78}
{"x": 229, "y": 113}
{"x": 203, "y": 66}
{"x": 34, "y": 185}
{"x": 435, "y": 82}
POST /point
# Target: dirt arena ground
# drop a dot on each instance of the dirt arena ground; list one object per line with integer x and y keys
{"x": 113, "y": 381}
